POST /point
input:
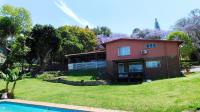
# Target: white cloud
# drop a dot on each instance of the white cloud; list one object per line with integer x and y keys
{"x": 65, "y": 9}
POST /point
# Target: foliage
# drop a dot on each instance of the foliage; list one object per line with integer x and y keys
{"x": 148, "y": 34}
{"x": 105, "y": 31}
{"x": 50, "y": 75}
{"x": 76, "y": 39}
{"x": 186, "y": 65}
{"x": 191, "y": 26}
{"x": 19, "y": 16}
{"x": 11, "y": 75}
{"x": 7, "y": 28}
{"x": 45, "y": 40}
{"x": 47, "y": 76}
{"x": 187, "y": 47}
{"x": 14, "y": 22}
{"x": 18, "y": 49}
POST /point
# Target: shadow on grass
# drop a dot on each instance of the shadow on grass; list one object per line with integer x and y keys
{"x": 79, "y": 83}
{"x": 127, "y": 82}
{"x": 93, "y": 83}
{"x": 81, "y": 73}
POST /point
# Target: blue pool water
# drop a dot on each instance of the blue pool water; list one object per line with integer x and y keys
{"x": 18, "y": 107}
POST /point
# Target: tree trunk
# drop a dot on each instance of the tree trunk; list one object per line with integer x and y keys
{"x": 44, "y": 60}
{"x": 13, "y": 88}
{"x": 7, "y": 84}
{"x": 29, "y": 67}
{"x": 23, "y": 66}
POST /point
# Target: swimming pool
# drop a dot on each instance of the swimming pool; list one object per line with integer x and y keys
{"x": 20, "y": 107}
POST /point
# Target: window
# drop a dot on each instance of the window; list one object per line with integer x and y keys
{"x": 135, "y": 67}
{"x": 124, "y": 51}
{"x": 153, "y": 64}
{"x": 151, "y": 45}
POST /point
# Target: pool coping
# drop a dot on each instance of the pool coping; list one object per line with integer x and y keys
{"x": 62, "y": 106}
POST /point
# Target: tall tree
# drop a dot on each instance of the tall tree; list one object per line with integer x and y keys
{"x": 156, "y": 25}
{"x": 14, "y": 22}
{"x": 102, "y": 31}
{"x": 46, "y": 40}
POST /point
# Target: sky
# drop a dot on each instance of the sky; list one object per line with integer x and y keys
{"x": 121, "y": 16}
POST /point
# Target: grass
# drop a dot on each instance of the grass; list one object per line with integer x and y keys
{"x": 87, "y": 75}
{"x": 173, "y": 95}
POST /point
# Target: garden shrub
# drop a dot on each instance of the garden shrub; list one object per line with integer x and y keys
{"x": 46, "y": 76}
{"x": 50, "y": 75}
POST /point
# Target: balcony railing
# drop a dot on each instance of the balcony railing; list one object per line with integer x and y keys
{"x": 87, "y": 65}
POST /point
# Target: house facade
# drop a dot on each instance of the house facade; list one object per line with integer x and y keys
{"x": 138, "y": 58}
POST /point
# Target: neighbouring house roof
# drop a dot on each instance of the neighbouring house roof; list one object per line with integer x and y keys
{"x": 86, "y": 53}
{"x": 148, "y": 40}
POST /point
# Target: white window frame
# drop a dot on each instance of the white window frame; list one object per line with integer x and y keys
{"x": 126, "y": 52}
{"x": 153, "y": 64}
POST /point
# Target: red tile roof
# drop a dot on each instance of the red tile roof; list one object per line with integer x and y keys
{"x": 85, "y": 53}
{"x": 150, "y": 40}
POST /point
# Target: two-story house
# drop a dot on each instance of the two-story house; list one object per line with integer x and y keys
{"x": 133, "y": 58}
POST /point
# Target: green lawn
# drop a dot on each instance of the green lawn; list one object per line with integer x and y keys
{"x": 80, "y": 75}
{"x": 165, "y": 95}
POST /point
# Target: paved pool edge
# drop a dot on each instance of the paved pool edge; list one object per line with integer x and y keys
{"x": 63, "y": 106}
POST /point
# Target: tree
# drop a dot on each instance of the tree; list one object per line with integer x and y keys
{"x": 137, "y": 33}
{"x": 14, "y": 22}
{"x": 11, "y": 75}
{"x": 156, "y": 26}
{"x": 148, "y": 34}
{"x": 19, "y": 16}
{"x": 191, "y": 26}
{"x": 187, "y": 47}
{"x": 76, "y": 39}
{"x": 19, "y": 50}
{"x": 31, "y": 56}
{"x": 102, "y": 31}
{"x": 45, "y": 40}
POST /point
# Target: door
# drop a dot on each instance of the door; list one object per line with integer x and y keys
{"x": 121, "y": 70}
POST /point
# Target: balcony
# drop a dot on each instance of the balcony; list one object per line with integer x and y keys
{"x": 87, "y": 65}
